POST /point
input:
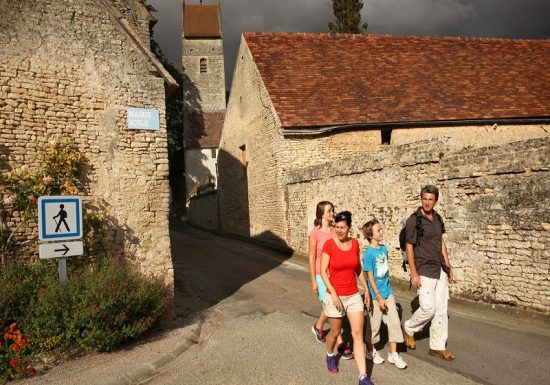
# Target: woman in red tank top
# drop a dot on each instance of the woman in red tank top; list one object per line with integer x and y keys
{"x": 340, "y": 269}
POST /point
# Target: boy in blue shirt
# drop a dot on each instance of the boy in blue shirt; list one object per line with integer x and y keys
{"x": 376, "y": 266}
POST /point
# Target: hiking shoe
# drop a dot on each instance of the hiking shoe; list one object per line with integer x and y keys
{"x": 365, "y": 380}
{"x": 320, "y": 334}
{"x": 332, "y": 364}
{"x": 410, "y": 343}
{"x": 375, "y": 357}
{"x": 344, "y": 351}
{"x": 395, "y": 358}
{"x": 443, "y": 354}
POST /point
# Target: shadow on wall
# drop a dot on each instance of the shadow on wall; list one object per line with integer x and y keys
{"x": 4, "y": 156}
{"x": 209, "y": 268}
{"x": 105, "y": 234}
{"x": 233, "y": 205}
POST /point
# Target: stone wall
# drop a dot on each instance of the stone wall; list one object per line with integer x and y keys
{"x": 203, "y": 211}
{"x": 495, "y": 202}
{"x": 68, "y": 73}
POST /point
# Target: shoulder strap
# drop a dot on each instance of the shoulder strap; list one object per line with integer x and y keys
{"x": 418, "y": 227}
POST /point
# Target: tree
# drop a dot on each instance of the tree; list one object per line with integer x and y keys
{"x": 348, "y": 17}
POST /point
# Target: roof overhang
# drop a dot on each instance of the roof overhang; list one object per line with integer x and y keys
{"x": 314, "y": 131}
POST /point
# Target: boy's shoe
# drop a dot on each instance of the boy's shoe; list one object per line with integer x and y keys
{"x": 395, "y": 358}
{"x": 409, "y": 340}
{"x": 332, "y": 364}
{"x": 344, "y": 351}
{"x": 375, "y": 357}
{"x": 320, "y": 334}
{"x": 365, "y": 380}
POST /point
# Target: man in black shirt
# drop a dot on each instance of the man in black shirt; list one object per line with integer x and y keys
{"x": 430, "y": 273}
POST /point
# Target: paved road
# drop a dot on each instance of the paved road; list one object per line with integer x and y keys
{"x": 258, "y": 310}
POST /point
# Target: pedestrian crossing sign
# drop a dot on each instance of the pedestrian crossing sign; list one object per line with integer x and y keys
{"x": 59, "y": 218}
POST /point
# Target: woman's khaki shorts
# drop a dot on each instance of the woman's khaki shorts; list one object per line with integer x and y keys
{"x": 351, "y": 303}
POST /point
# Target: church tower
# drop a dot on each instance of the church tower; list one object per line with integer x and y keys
{"x": 204, "y": 94}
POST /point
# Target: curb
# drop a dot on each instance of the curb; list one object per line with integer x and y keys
{"x": 150, "y": 368}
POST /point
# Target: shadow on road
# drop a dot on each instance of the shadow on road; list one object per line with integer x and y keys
{"x": 209, "y": 268}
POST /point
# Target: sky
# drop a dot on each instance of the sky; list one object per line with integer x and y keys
{"x": 472, "y": 18}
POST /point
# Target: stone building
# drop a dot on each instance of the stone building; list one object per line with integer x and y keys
{"x": 364, "y": 121}
{"x": 204, "y": 94}
{"x": 69, "y": 71}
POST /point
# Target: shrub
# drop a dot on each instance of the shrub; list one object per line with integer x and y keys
{"x": 102, "y": 306}
{"x": 111, "y": 304}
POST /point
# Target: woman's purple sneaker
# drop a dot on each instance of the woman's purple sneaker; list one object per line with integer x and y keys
{"x": 365, "y": 380}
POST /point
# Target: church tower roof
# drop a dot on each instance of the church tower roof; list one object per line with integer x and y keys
{"x": 202, "y": 21}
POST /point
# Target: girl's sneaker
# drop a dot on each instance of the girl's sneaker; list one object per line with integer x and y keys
{"x": 344, "y": 351}
{"x": 318, "y": 333}
{"x": 395, "y": 358}
{"x": 375, "y": 357}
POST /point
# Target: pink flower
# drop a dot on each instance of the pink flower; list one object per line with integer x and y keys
{"x": 47, "y": 180}
{"x": 8, "y": 201}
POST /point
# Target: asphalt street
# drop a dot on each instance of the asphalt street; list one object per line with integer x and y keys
{"x": 257, "y": 330}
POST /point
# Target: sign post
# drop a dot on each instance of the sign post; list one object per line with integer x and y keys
{"x": 60, "y": 219}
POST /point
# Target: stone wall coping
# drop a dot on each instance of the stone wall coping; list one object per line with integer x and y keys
{"x": 123, "y": 24}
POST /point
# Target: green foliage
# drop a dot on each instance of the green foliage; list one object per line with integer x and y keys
{"x": 57, "y": 174}
{"x": 102, "y": 306}
{"x": 348, "y": 17}
{"x": 112, "y": 304}
{"x": 96, "y": 227}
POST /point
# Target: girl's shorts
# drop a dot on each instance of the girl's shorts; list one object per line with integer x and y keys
{"x": 321, "y": 287}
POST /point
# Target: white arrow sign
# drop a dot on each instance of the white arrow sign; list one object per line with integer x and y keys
{"x": 60, "y": 249}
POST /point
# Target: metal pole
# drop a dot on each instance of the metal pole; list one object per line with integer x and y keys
{"x": 62, "y": 267}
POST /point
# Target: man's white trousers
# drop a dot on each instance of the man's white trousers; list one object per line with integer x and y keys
{"x": 433, "y": 295}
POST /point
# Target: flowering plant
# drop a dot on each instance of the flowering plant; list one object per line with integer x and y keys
{"x": 57, "y": 174}
{"x": 14, "y": 353}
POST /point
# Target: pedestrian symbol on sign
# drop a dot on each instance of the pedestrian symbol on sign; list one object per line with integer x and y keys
{"x": 59, "y": 218}
{"x": 62, "y": 214}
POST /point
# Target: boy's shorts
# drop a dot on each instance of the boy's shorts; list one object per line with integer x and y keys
{"x": 351, "y": 303}
{"x": 390, "y": 318}
{"x": 321, "y": 287}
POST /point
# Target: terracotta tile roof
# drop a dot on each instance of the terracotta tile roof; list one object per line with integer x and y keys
{"x": 204, "y": 130}
{"x": 335, "y": 79}
{"x": 202, "y": 20}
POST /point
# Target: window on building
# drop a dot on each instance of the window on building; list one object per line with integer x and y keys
{"x": 213, "y": 153}
{"x": 386, "y": 137}
{"x": 203, "y": 65}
